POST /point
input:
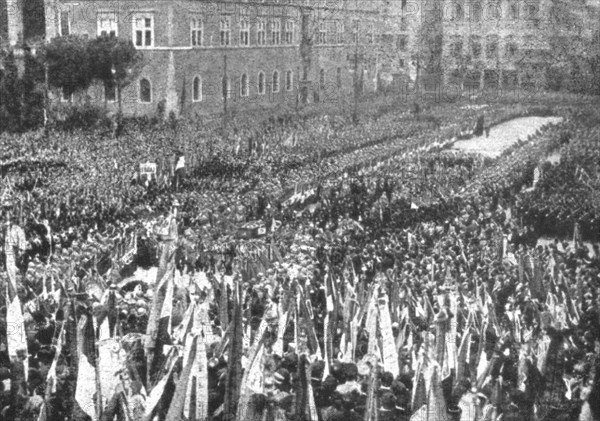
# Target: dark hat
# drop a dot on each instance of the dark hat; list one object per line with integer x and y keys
{"x": 45, "y": 356}
{"x": 388, "y": 401}
{"x": 387, "y": 378}
{"x": 350, "y": 371}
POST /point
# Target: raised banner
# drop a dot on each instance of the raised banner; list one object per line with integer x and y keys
{"x": 112, "y": 357}
{"x": 390, "y": 354}
{"x": 278, "y": 346}
{"x": 148, "y": 171}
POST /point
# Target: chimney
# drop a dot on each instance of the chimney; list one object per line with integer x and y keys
{"x": 14, "y": 11}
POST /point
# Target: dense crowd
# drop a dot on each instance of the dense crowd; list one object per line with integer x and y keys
{"x": 385, "y": 279}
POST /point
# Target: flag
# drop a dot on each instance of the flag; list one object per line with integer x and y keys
{"x": 157, "y": 391}
{"x": 152, "y": 346}
{"x": 15, "y": 326}
{"x": 164, "y": 322}
{"x": 576, "y": 236}
{"x": 390, "y": 353}
{"x": 51, "y": 376}
{"x": 436, "y": 406}
{"x": 177, "y": 403}
{"x": 130, "y": 254}
{"x": 86, "y": 372}
{"x": 281, "y": 327}
{"x": 224, "y": 304}
{"x": 252, "y": 382}
{"x": 419, "y": 392}
{"x": 372, "y": 409}
{"x": 196, "y": 396}
{"x": 464, "y": 350}
{"x": 234, "y": 369}
{"x": 371, "y": 322}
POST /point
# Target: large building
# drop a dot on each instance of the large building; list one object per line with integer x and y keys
{"x": 265, "y": 54}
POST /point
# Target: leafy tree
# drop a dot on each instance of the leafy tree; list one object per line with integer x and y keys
{"x": 32, "y": 91}
{"x": 115, "y": 62}
{"x": 10, "y": 97}
{"x": 68, "y": 62}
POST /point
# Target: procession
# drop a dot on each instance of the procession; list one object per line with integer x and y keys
{"x": 304, "y": 269}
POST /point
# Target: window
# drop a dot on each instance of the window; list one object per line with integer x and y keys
{"x": 197, "y": 89}
{"x": 275, "y": 81}
{"x": 65, "y": 24}
{"x": 289, "y": 32}
{"x": 226, "y": 84}
{"x": 511, "y": 47}
{"x": 338, "y": 77}
{"x": 513, "y": 12}
{"x": 491, "y": 46}
{"x": 143, "y": 31}
{"x": 110, "y": 93}
{"x": 322, "y": 39}
{"x": 244, "y": 85}
{"x": 197, "y": 32}
{"x": 456, "y": 46}
{"x": 244, "y": 32}
{"x": 261, "y": 30}
{"x": 401, "y": 42}
{"x": 322, "y": 77}
{"x": 289, "y": 80}
{"x": 64, "y": 97}
{"x": 261, "y": 83}
{"x": 455, "y": 13}
{"x": 275, "y": 32}
{"x": 339, "y": 32}
{"x": 476, "y": 46}
{"x": 370, "y": 33}
{"x": 355, "y": 32}
{"x": 225, "y": 30}
{"x": 107, "y": 24}
{"x": 476, "y": 11}
{"x": 145, "y": 91}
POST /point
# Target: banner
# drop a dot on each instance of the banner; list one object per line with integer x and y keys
{"x": 390, "y": 354}
{"x": 147, "y": 171}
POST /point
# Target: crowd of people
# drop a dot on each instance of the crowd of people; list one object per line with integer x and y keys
{"x": 386, "y": 278}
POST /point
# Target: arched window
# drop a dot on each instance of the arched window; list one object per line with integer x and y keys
{"x": 289, "y": 80}
{"x": 261, "y": 83}
{"x": 275, "y": 81}
{"x": 322, "y": 77}
{"x": 197, "y": 89}
{"x": 244, "y": 85}
{"x": 145, "y": 91}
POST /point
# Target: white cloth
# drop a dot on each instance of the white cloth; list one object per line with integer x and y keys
{"x": 180, "y": 163}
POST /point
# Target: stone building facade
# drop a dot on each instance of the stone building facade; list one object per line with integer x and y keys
{"x": 262, "y": 54}
{"x": 283, "y": 52}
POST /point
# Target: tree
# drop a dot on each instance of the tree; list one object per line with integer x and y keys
{"x": 32, "y": 91}
{"x": 10, "y": 98}
{"x": 126, "y": 63}
{"x": 68, "y": 63}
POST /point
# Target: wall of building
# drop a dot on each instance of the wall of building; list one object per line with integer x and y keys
{"x": 322, "y": 63}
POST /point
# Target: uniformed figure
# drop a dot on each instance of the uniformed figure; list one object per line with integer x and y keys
{"x": 15, "y": 245}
